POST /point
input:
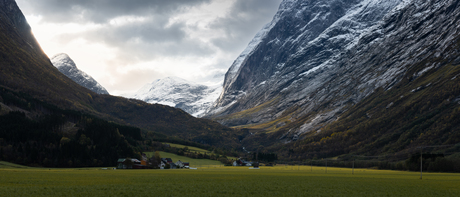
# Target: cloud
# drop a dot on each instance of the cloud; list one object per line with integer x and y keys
{"x": 130, "y": 81}
{"x": 194, "y": 39}
{"x": 101, "y": 11}
{"x": 144, "y": 41}
{"x": 246, "y": 17}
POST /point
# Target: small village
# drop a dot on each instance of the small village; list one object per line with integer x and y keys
{"x": 168, "y": 163}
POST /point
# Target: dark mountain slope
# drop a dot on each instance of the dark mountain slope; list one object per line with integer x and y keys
{"x": 25, "y": 69}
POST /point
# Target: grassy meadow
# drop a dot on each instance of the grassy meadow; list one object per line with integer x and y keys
{"x": 225, "y": 181}
{"x": 195, "y": 149}
{"x": 193, "y": 162}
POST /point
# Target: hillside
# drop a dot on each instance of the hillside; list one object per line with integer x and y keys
{"x": 25, "y": 69}
{"x": 328, "y": 78}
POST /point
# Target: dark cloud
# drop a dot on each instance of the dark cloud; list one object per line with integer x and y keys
{"x": 245, "y": 19}
{"x": 100, "y": 11}
{"x": 155, "y": 36}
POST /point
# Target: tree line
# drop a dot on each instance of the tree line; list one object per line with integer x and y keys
{"x": 45, "y": 135}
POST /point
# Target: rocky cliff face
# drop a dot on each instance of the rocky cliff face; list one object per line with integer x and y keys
{"x": 303, "y": 36}
{"x": 67, "y": 67}
{"x": 176, "y": 92}
{"x": 318, "y": 58}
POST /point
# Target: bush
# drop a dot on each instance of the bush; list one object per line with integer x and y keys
{"x": 444, "y": 165}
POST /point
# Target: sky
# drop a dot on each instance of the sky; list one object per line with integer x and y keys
{"x": 127, "y": 44}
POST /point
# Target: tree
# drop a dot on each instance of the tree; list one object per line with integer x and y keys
{"x": 157, "y": 156}
{"x": 153, "y": 163}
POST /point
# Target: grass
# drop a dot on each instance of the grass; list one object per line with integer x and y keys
{"x": 4, "y": 164}
{"x": 225, "y": 181}
{"x": 250, "y": 111}
{"x": 195, "y": 149}
{"x": 193, "y": 162}
{"x": 191, "y": 148}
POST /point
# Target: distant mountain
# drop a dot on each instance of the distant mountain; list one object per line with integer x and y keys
{"x": 67, "y": 67}
{"x": 333, "y": 77}
{"x": 193, "y": 98}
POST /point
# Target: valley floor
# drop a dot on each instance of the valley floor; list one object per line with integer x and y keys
{"x": 224, "y": 181}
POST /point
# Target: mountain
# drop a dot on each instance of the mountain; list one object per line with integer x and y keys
{"x": 327, "y": 78}
{"x": 282, "y": 61}
{"x": 30, "y": 83}
{"x": 176, "y": 92}
{"x": 67, "y": 66}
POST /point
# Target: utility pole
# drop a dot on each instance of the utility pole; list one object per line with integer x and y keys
{"x": 326, "y": 165}
{"x": 353, "y": 167}
{"x": 311, "y": 164}
{"x": 421, "y": 162}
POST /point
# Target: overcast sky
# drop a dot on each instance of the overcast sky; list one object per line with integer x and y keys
{"x": 126, "y": 44}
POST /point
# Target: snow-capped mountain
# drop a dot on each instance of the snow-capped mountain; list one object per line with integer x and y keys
{"x": 67, "y": 66}
{"x": 303, "y": 37}
{"x": 176, "y": 92}
{"x": 317, "y": 58}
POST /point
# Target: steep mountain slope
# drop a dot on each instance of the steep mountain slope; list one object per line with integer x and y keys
{"x": 412, "y": 63}
{"x": 67, "y": 67}
{"x": 318, "y": 60}
{"x": 25, "y": 69}
{"x": 176, "y": 92}
{"x": 303, "y": 36}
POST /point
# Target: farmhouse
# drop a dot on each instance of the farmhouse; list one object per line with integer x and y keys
{"x": 124, "y": 163}
{"x": 181, "y": 164}
{"x": 241, "y": 162}
{"x": 167, "y": 160}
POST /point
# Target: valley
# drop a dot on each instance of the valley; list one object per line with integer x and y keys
{"x": 324, "y": 80}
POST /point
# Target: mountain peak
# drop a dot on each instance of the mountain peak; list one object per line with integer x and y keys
{"x": 67, "y": 66}
{"x": 63, "y": 60}
{"x": 191, "y": 97}
{"x": 174, "y": 80}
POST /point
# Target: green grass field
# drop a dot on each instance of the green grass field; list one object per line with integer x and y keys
{"x": 195, "y": 149}
{"x": 225, "y": 181}
{"x": 191, "y": 148}
{"x": 8, "y": 165}
{"x": 193, "y": 162}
